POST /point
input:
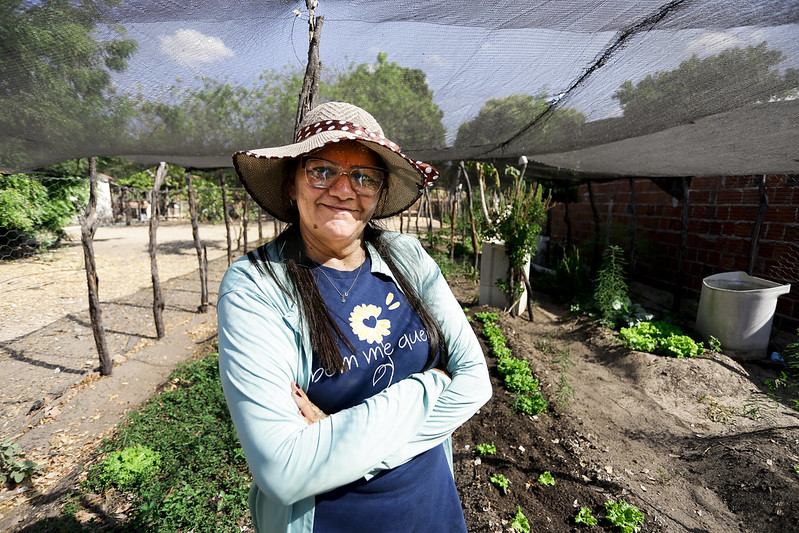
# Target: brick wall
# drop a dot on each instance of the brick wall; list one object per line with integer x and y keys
{"x": 722, "y": 213}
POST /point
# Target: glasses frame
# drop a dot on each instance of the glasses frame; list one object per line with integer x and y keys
{"x": 356, "y": 185}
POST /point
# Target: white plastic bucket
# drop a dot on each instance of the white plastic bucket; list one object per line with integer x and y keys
{"x": 738, "y": 310}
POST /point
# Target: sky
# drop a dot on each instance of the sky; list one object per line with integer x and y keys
{"x": 466, "y": 63}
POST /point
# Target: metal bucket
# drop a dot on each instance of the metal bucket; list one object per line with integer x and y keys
{"x": 738, "y": 310}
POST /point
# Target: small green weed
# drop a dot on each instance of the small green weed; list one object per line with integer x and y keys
{"x": 565, "y": 391}
{"x": 585, "y": 517}
{"x": 626, "y": 517}
{"x": 499, "y": 480}
{"x": 714, "y": 345}
{"x": 12, "y": 468}
{"x": 546, "y": 479}
{"x": 520, "y": 522}
{"x": 718, "y": 412}
{"x": 486, "y": 449}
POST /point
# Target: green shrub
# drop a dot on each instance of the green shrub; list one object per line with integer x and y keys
{"x": 660, "y": 338}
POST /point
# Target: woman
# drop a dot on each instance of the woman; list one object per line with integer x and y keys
{"x": 345, "y": 359}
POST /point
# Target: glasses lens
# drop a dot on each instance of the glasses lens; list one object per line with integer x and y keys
{"x": 367, "y": 181}
{"x": 322, "y": 174}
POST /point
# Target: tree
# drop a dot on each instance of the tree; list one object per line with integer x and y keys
{"x": 218, "y": 118}
{"x": 399, "y": 99}
{"x": 55, "y": 84}
{"x": 702, "y": 87}
{"x": 527, "y": 120}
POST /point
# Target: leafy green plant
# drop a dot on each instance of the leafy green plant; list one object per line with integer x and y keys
{"x": 584, "y": 516}
{"x": 546, "y": 479}
{"x": 626, "y": 517}
{"x": 516, "y": 374}
{"x": 130, "y": 468}
{"x": 486, "y": 449}
{"x": 520, "y": 522}
{"x": 660, "y": 338}
{"x": 12, "y": 468}
{"x": 499, "y": 480}
{"x": 530, "y": 404}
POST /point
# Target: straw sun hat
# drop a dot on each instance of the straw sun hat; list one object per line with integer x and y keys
{"x": 262, "y": 171}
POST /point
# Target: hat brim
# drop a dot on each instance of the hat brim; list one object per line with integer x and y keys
{"x": 262, "y": 170}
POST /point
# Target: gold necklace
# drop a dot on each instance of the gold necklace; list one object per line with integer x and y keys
{"x": 343, "y": 296}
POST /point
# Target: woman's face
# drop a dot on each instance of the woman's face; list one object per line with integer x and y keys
{"x": 336, "y": 216}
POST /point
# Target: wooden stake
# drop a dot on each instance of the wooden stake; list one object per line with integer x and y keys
{"x": 227, "y": 218}
{"x": 87, "y": 231}
{"x": 158, "y": 297}
{"x": 195, "y": 231}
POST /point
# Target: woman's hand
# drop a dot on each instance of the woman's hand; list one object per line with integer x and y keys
{"x": 308, "y": 411}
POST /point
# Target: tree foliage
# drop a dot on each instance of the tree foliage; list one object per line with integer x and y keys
{"x": 55, "y": 78}
{"x": 398, "y": 97}
{"x": 219, "y": 118}
{"x": 501, "y": 119}
{"x": 702, "y": 87}
{"x": 33, "y": 211}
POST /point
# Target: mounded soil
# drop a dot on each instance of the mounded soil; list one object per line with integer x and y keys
{"x": 696, "y": 444}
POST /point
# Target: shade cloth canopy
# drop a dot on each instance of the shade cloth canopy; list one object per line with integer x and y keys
{"x": 581, "y": 88}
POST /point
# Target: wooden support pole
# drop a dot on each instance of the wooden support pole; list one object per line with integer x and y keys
{"x": 597, "y": 254}
{"x": 223, "y": 185}
{"x": 158, "y": 296}
{"x": 470, "y": 203}
{"x": 201, "y": 255}
{"x": 680, "y": 278}
{"x": 761, "y": 214}
{"x": 634, "y": 216}
{"x": 87, "y": 230}
{"x": 260, "y": 226}
{"x": 244, "y": 220}
{"x": 310, "y": 82}
{"x": 452, "y": 228}
{"x": 429, "y": 214}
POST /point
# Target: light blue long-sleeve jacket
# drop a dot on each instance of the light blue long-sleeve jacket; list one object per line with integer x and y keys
{"x": 264, "y": 346}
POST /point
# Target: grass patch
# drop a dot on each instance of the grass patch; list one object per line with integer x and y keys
{"x": 200, "y": 481}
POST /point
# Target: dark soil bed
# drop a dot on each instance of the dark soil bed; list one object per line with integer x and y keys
{"x": 696, "y": 444}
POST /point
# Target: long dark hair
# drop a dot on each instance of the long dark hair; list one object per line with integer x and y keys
{"x": 302, "y": 288}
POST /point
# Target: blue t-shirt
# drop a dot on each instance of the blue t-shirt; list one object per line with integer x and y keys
{"x": 390, "y": 344}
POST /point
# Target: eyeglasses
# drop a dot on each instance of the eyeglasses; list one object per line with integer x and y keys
{"x": 323, "y": 174}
